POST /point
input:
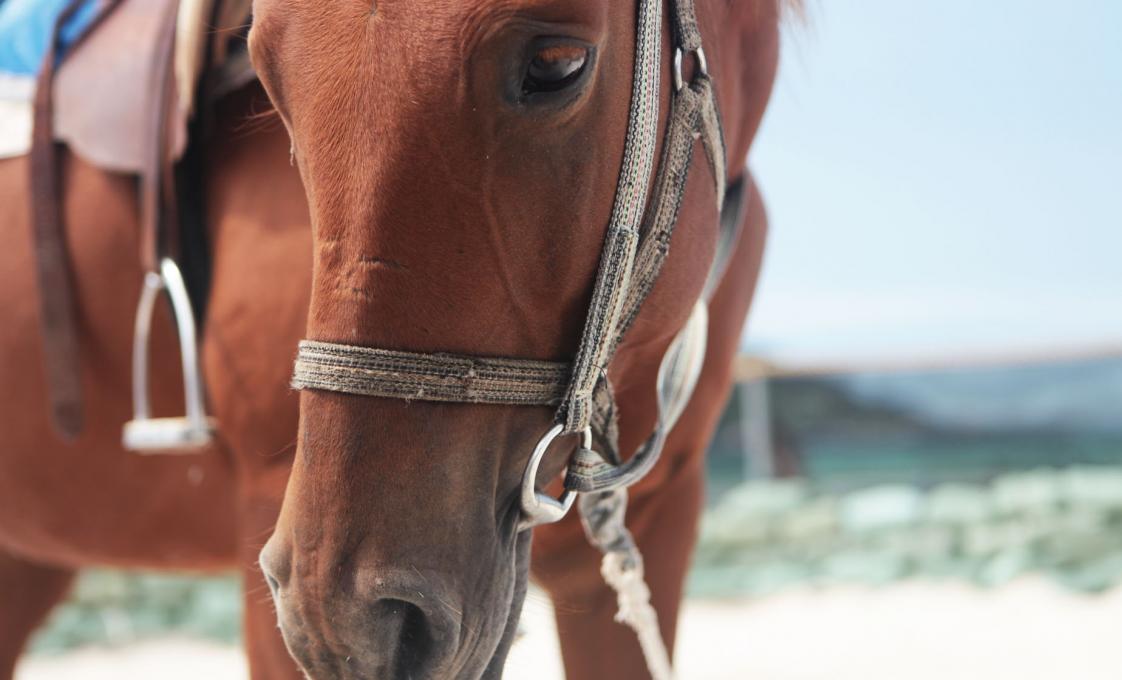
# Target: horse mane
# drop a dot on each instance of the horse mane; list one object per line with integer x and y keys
{"x": 793, "y": 10}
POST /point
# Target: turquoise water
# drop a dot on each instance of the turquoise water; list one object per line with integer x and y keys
{"x": 955, "y": 457}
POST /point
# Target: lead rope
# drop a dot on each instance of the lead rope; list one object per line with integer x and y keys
{"x": 602, "y": 515}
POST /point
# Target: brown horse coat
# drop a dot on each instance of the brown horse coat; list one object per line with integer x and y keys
{"x": 66, "y": 506}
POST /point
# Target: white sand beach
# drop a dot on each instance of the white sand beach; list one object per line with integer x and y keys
{"x": 1029, "y": 630}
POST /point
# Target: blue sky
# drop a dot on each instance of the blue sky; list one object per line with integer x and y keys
{"x": 943, "y": 178}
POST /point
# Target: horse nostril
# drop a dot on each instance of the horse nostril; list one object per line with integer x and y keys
{"x": 274, "y": 587}
{"x": 273, "y": 570}
{"x": 414, "y": 637}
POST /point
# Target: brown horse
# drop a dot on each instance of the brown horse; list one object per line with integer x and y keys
{"x": 446, "y": 214}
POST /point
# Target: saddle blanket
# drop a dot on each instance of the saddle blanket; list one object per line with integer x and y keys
{"x": 106, "y": 84}
{"x": 26, "y": 27}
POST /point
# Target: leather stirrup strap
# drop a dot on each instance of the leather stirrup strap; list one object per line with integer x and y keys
{"x": 57, "y": 308}
{"x": 159, "y": 223}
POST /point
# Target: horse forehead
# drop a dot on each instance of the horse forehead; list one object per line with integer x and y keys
{"x": 360, "y": 46}
{"x": 446, "y": 23}
{"x": 390, "y": 17}
{"x": 368, "y": 55}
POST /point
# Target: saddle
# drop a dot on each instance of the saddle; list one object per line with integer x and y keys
{"x": 124, "y": 94}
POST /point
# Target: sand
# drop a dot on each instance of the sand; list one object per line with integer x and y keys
{"x": 1029, "y": 630}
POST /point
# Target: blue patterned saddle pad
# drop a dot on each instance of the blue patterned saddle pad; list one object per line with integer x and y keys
{"x": 26, "y": 27}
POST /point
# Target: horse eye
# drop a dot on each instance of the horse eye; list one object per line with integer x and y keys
{"x": 554, "y": 68}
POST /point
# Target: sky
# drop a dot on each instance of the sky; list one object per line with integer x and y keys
{"x": 944, "y": 179}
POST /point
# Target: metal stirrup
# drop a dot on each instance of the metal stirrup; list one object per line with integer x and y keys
{"x": 167, "y": 435}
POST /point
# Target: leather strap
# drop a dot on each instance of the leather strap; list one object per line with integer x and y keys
{"x": 158, "y": 217}
{"x": 57, "y": 307}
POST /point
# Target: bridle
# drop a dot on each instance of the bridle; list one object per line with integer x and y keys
{"x": 635, "y": 247}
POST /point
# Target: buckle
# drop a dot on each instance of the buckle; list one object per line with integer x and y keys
{"x": 702, "y": 66}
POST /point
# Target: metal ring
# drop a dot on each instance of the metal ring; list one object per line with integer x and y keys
{"x": 537, "y": 507}
{"x": 702, "y": 66}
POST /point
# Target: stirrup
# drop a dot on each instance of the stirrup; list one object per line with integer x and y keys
{"x": 166, "y": 435}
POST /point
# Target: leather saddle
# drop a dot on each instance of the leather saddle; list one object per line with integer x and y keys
{"x": 123, "y": 56}
{"x": 123, "y": 99}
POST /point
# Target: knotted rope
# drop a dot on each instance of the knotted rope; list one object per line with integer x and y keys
{"x": 602, "y": 515}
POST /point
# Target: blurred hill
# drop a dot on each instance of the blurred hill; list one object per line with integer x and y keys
{"x": 928, "y": 427}
{"x": 1076, "y": 395}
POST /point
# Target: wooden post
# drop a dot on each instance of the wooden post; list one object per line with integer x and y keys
{"x": 755, "y": 429}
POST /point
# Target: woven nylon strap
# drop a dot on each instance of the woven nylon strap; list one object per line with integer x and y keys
{"x": 428, "y": 377}
{"x": 622, "y": 238}
{"x": 693, "y": 115}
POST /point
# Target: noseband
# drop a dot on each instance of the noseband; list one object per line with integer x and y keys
{"x": 635, "y": 247}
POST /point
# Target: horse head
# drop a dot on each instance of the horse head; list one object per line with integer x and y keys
{"x": 460, "y": 161}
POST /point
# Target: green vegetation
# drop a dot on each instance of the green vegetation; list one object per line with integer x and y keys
{"x": 761, "y": 537}
{"x": 118, "y": 607}
{"x": 764, "y": 536}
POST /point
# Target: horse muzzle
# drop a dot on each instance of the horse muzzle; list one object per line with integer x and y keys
{"x": 371, "y": 624}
